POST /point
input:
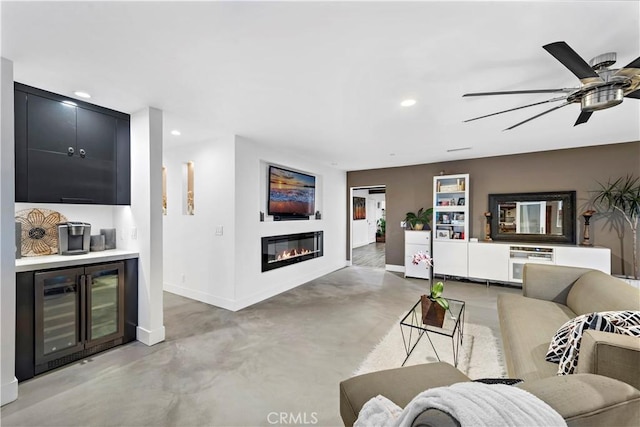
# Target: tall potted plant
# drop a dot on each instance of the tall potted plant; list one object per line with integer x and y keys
{"x": 623, "y": 197}
{"x": 381, "y": 231}
{"x": 418, "y": 220}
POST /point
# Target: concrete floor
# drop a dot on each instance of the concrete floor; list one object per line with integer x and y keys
{"x": 284, "y": 355}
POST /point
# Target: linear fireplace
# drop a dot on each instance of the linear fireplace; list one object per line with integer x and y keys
{"x": 280, "y": 251}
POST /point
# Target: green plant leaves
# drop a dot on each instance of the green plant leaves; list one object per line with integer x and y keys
{"x": 622, "y": 194}
{"x": 436, "y": 291}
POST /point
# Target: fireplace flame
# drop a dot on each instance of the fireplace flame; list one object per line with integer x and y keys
{"x": 291, "y": 254}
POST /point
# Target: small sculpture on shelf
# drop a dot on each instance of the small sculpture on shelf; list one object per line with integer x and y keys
{"x": 487, "y": 227}
{"x": 585, "y": 236}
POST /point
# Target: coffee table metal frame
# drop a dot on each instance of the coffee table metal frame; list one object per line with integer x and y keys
{"x": 411, "y": 327}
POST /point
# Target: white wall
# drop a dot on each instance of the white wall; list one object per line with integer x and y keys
{"x": 99, "y": 216}
{"x": 251, "y": 188}
{"x": 230, "y": 192}
{"x": 360, "y": 228}
{"x": 144, "y": 220}
{"x": 197, "y": 263}
{"x": 8, "y": 381}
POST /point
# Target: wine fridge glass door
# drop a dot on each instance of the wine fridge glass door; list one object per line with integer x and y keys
{"x": 58, "y": 314}
{"x": 105, "y": 300}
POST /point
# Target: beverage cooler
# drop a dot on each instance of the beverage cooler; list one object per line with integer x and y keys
{"x": 77, "y": 311}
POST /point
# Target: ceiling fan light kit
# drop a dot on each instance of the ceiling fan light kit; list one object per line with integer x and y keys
{"x": 600, "y": 86}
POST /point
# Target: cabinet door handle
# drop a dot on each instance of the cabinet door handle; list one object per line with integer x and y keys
{"x": 75, "y": 200}
{"x": 82, "y": 153}
{"x": 70, "y": 151}
{"x": 83, "y": 308}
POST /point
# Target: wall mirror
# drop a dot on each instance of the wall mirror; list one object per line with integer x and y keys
{"x": 534, "y": 217}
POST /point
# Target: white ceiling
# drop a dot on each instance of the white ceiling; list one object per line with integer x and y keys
{"x": 325, "y": 79}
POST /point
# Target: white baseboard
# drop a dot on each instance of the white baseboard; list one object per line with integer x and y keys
{"x": 395, "y": 268}
{"x": 9, "y": 392}
{"x": 148, "y": 337}
{"x": 225, "y": 303}
{"x": 236, "y": 305}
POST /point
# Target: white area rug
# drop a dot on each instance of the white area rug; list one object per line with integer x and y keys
{"x": 480, "y": 355}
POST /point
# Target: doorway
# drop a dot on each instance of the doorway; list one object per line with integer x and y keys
{"x": 368, "y": 226}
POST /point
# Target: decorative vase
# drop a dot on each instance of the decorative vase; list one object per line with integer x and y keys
{"x": 585, "y": 236}
{"x": 418, "y": 226}
{"x": 487, "y": 227}
{"x": 432, "y": 312}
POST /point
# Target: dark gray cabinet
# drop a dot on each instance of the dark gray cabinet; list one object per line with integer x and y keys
{"x": 67, "y": 314}
{"x": 68, "y": 153}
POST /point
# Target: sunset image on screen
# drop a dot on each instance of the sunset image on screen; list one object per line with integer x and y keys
{"x": 291, "y": 192}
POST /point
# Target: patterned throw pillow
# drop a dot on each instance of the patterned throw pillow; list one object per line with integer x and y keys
{"x": 565, "y": 345}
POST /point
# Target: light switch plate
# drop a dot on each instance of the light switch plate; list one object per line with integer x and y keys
{"x": 219, "y": 230}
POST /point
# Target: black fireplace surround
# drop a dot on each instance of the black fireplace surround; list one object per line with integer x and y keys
{"x": 280, "y": 251}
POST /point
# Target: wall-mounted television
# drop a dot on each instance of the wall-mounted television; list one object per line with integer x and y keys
{"x": 291, "y": 194}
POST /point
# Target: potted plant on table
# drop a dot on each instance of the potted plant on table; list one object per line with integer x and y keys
{"x": 623, "y": 196}
{"x": 433, "y": 305}
{"x": 417, "y": 220}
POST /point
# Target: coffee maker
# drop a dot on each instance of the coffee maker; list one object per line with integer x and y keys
{"x": 74, "y": 238}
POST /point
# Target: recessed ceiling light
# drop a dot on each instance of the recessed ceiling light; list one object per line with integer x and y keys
{"x": 175, "y": 132}
{"x": 408, "y": 102}
{"x": 81, "y": 94}
{"x": 392, "y": 154}
{"x": 69, "y": 103}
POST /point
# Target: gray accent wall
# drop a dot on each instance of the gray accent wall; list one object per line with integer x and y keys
{"x": 411, "y": 187}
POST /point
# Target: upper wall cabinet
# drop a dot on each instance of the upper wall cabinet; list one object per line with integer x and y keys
{"x": 69, "y": 151}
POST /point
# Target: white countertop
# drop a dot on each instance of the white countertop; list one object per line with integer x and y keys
{"x": 56, "y": 261}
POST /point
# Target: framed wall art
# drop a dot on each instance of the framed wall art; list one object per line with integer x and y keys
{"x": 359, "y": 208}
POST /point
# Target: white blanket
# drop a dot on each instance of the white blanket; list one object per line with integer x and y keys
{"x": 472, "y": 404}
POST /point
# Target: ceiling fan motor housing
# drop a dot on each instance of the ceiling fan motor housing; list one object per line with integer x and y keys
{"x": 602, "y": 97}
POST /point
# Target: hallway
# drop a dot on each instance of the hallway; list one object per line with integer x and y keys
{"x": 371, "y": 255}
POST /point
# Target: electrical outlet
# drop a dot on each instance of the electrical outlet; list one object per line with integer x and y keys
{"x": 219, "y": 230}
{"x": 403, "y": 224}
{"x": 184, "y": 278}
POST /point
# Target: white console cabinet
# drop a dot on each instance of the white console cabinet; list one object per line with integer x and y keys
{"x": 504, "y": 261}
{"x": 414, "y": 242}
{"x": 489, "y": 261}
{"x": 597, "y": 258}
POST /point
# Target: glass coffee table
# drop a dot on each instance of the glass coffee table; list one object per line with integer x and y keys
{"x": 413, "y": 330}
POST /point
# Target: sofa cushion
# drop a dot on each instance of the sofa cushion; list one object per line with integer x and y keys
{"x": 596, "y": 291}
{"x": 527, "y": 326}
{"x": 588, "y": 399}
{"x": 399, "y": 385}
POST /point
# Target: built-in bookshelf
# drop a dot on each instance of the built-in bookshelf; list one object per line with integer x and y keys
{"x": 450, "y": 224}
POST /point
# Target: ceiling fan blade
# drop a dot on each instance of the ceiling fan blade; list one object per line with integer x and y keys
{"x": 517, "y": 92}
{"x": 583, "y": 117}
{"x": 635, "y": 94}
{"x": 538, "y": 115}
{"x": 634, "y": 64}
{"x": 570, "y": 59}
{"x": 559, "y": 98}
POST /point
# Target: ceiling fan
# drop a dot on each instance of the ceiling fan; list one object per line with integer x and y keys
{"x": 600, "y": 86}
